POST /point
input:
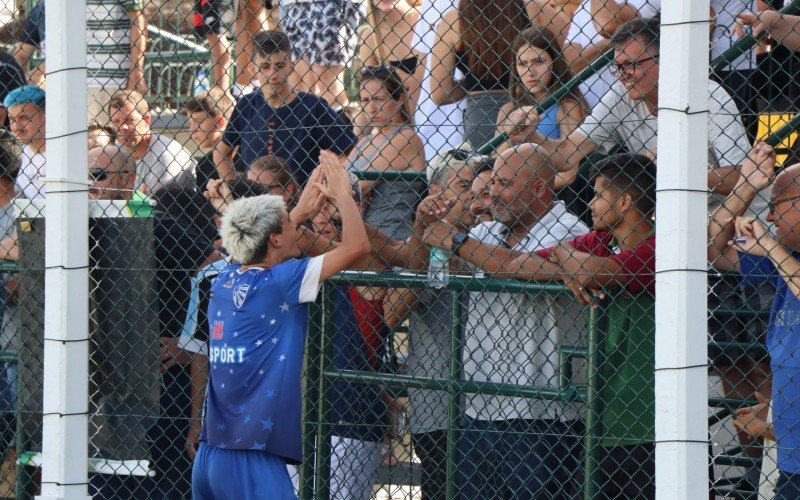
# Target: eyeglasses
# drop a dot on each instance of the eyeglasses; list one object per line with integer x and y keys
{"x": 273, "y": 187}
{"x": 101, "y": 174}
{"x": 98, "y": 174}
{"x": 618, "y": 69}
{"x": 772, "y": 204}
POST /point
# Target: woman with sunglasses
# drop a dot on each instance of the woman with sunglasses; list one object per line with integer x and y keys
{"x": 540, "y": 68}
{"x": 386, "y": 40}
{"x": 391, "y": 144}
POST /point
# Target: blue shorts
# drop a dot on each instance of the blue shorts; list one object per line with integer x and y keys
{"x": 219, "y": 473}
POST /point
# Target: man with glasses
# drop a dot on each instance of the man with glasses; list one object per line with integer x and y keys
{"x": 628, "y": 114}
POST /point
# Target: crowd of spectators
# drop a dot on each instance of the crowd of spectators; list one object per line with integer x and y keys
{"x": 436, "y": 79}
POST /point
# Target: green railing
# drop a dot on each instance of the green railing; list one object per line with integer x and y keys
{"x": 320, "y": 376}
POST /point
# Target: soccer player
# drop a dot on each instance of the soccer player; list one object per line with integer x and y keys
{"x": 258, "y": 318}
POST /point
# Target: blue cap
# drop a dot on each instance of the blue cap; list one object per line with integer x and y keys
{"x": 24, "y": 95}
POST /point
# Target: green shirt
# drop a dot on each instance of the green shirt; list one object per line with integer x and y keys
{"x": 627, "y": 389}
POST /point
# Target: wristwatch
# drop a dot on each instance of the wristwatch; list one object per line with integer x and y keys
{"x": 458, "y": 239}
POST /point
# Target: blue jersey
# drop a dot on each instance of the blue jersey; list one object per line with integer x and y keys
{"x": 783, "y": 344}
{"x": 257, "y": 322}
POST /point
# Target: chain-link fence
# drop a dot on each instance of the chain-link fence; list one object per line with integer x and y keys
{"x": 450, "y": 292}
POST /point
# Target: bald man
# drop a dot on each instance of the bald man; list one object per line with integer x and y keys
{"x": 516, "y": 447}
{"x": 112, "y": 170}
{"x": 744, "y": 244}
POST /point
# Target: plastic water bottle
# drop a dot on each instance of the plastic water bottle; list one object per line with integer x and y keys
{"x": 439, "y": 268}
{"x": 201, "y": 82}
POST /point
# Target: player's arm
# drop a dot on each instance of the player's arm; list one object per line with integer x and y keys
{"x": 223, "y": 158}
{"x": 198, "y": 370}
{"x": 355, "y": 244}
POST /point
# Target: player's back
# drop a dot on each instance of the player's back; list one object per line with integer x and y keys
{"x": 257, "y": 320}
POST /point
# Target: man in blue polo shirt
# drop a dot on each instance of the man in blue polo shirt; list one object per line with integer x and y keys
{"x": 258, "y": 317}
{"x": 744, "y": 244}
{"x": 277, "y": 120}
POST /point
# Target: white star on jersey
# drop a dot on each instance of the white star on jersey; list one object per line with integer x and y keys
{"x": 272, "y": 321}
{"x": 283, "y": 357}
{"x": 259, "y": 342}
{"x": 284, "y": 307}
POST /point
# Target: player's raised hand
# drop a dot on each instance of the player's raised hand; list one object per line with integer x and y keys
{"x": 311, "y": 198}
{"x": 337, "y": 185}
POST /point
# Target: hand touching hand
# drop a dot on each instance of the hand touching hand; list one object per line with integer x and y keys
{"x": 752, "y": 237}
{"x": 219, "y": 194}
{"x": 433, "y": 208}
{"x": 337, "y": 185}
{"x": 440, "y": 235}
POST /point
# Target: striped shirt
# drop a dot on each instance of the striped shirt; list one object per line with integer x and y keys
{"x": 107, "y": 39}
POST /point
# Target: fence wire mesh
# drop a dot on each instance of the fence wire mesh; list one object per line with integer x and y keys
{"x": 450, "y": 292}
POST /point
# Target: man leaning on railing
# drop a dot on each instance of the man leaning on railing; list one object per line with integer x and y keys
{"x": 511, "y": 443}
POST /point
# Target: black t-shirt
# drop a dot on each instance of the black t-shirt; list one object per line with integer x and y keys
{"x": 12, "y": 76}
{"x": 180, "y": 250}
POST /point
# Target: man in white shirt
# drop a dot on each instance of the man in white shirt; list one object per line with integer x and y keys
{"x": 160, "y": 161}
{"x": 26, "y": 116}
{"x": 515, "y": 446}
{"x": 592, "y": 25}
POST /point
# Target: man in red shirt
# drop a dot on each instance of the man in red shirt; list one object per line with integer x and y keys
{"x": 617, "y": 257}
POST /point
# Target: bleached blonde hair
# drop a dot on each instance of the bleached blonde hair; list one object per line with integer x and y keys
{"x": 248, "y": 223}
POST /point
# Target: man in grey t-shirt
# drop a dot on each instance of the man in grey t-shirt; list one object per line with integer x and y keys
{"x": 628, "y": 115}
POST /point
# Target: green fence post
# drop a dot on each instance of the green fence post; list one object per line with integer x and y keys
{"x": 594, "y": 361}
{"x": 312, "y": 381}
{"x": 454, "y": 408}
{"x": 323, "y": 452}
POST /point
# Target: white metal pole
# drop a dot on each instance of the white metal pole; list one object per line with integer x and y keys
{"x": 66, "y": 323}
{"x": 681, "y": 262}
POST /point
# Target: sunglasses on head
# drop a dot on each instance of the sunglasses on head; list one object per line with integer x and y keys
{"x": 459, "y": 154}
{"x": 377, "y": 70}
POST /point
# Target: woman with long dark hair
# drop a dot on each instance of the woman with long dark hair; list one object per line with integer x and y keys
{"x": 475, "y": 39}
{"x": 539, "y": 69}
